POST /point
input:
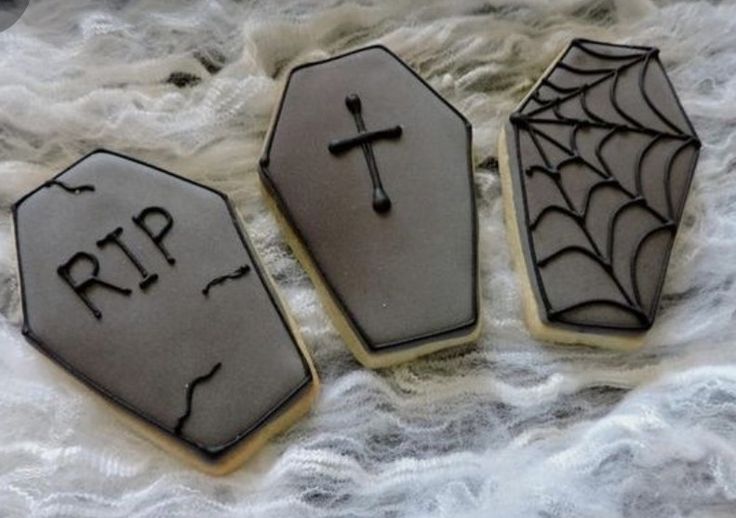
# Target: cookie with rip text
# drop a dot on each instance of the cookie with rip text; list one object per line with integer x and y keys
{"x": 143, "y": 286}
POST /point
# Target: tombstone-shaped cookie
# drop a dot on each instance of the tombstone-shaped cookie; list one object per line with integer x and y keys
{"x": 370, "y": 172}
{"x": 142, "y": 285}
{"x": 596, "y": 164}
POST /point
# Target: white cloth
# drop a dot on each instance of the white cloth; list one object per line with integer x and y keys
{"x": 510, "y": 428}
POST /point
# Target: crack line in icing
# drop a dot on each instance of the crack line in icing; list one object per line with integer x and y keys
{"x": 240, "y": 272}
{"x": 74, "y": 189}
{"x": 190, "y": 395}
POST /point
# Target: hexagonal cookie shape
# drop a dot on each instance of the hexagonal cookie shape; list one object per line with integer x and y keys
{"x": 143, "y": 285}
{"x": 596, "y": 165}
{"x": 370, "y": 170}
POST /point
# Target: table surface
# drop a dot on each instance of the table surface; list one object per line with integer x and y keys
{"x": 510, "y": 427}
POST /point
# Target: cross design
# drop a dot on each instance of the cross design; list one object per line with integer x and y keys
{"x": 365, "y": 139}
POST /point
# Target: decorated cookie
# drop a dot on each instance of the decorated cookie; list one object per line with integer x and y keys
{"x": 596, "y": 164}
{"x": 370, "y": 172}
{"x": 143, "y": 285}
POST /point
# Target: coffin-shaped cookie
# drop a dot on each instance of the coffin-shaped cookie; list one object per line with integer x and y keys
{"x": 142, "y": 285}
{"x": 596, "y": 165}
{"x": 371, "y": 173}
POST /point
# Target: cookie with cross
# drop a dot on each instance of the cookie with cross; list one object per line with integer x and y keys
{"x": 370, "y": 172}
{"x": 143, "y": 286}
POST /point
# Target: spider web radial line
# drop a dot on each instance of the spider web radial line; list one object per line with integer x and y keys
{"x": 582, "y": 88}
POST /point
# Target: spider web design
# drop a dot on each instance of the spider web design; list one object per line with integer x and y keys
{"x": 579, "y": 144}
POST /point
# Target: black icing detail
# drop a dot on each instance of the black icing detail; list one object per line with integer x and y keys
{"x": 529, "y": 119}
{"x": 114, "y": 238}
{"x": 80, "y": 288}
{"x": 190, "y": 394}
{"x": 240, "y": 272}
{"x": 365, "y": 139}
{"x": 157, "y": 238}
{"x": 76, "y": 189}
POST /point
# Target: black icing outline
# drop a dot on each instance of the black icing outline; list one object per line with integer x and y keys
{"x": 404, "y": 343}
{"x": 211, "y": 454}
{"x": 669, "y": 222}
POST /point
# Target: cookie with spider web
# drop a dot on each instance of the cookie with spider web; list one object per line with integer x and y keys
{"x": 596, "y": 163}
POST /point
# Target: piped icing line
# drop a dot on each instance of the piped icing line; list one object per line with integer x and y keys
{"x": 191, "y": 386}
{"x": 365, "y": 139}
{"x": 74, "y": 189}
{"x": 240, "y": 272}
